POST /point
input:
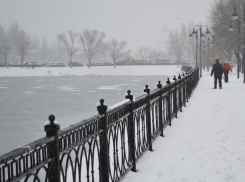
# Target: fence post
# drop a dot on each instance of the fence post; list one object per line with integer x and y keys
{"x": 104, "y": 150}
{"x": 52, "y": 130}
{"x": 187, "y": 86}
{"x": 131, "y": 132}
{"x": 169, "y": 101}
{"x": 148, "y": 117}
{"x": 180, "y": 94}
{"x": 184, "y": 89}
{"x": 175, "y": 98}
{"x": 192, "y": 83}
{"x": 159, "y": 85}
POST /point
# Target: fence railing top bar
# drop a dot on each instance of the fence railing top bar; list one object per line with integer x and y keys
{"x": 164, "y": 86}
{"x": 24, "y": 149}
{"x": 78, "y": 125}
{"x": 157, "y": 89}
{"x": 140, "y": 97}
{"x": 117, "y": 106}
{"x": 154, "y": 91}
{"x": 96, "y": 117}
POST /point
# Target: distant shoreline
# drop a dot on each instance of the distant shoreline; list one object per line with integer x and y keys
{"x": 153, "y": 70}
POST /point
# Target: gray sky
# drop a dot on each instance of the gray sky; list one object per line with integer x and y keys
{"x": 139, "y": 22}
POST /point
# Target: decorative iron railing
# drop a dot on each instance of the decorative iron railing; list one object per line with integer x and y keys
{"x": 102, "y": 148}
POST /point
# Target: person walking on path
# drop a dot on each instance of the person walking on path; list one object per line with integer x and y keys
{"x": 226, "y": 68}
{"x": 217, "y": 70}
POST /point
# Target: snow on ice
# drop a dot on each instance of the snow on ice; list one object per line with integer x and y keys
{"x": 84, "y": 71}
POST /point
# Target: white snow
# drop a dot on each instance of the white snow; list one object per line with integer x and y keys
{"x": 119, "y": 104}
{"x": 113, "y": 87}
{"x": 205, "y": 143}
{"x": 85, "y": 71}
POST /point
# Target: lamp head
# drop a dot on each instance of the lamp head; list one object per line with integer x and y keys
{"x": 234, "y": 15}
{"x": 194, "y": 32}
{"x": 231, "y": 28}
{"x": 207, "y": 32}
{"x": 190, "y": 35}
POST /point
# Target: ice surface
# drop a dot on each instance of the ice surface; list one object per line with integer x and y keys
{"x": 28, "y": 92}
{"x": 22, "y": 114}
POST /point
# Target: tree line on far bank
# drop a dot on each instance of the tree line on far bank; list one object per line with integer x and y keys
{"x": 19, "y": 45}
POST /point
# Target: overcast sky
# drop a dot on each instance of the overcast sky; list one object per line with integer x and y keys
{"x": 139, "y": 22}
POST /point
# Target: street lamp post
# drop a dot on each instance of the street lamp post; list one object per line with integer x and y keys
{"x": 235, "y": 16}
{"x": 208, "y": 54}
{"x": 213, "y": 47}
{"x": 55, "y": 56}
{"x": 238, "y": 45}
{"x": 201, "y": 35}
{"x": 196, "y": 42}
{"x": 204, "y": 56}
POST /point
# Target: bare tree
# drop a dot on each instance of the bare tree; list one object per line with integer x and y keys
{"x": 190, "y": 43}
{"x": 155, "y": 54}
{"x": 13, "y": 32}
{"x": 116, "y": 49}
{"x": 69, "y": 44}
{"x": 176, "y": 45}
{"x": 143, "y": 52}
{"x": 24, "y": 44}
{"x": 127, "y": 54}
{"x": 92, "y": 42}
{"x": 45, "y": 50}
{"x": 5, "y": 44}
{"x": 58, "y": 51}
{"x": 220, "y": 20}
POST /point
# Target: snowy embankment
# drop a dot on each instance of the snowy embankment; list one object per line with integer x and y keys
{"x": 205, "y": 143}
{"x": 85, "y": 71}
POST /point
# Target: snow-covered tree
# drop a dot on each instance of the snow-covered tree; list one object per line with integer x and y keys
{"x": 5, "y": 44}
{"x": 69, "y": 43}
{"x": 24, "y": 44}
{"x": 155, "y": 54}
{"x": 116, "y": 49}
{"x": 220, "y": 19}
{"x": 143, "y": 51}
{"x": 176, "y": 45}
{"x": 92, "y": 42}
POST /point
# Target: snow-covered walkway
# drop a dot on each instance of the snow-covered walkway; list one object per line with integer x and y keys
{"x": 205, "y": 143}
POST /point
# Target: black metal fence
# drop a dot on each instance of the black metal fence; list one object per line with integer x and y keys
{"x": 105, "y": 147}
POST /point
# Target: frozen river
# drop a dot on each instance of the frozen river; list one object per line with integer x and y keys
{"x": 26, "y": 102}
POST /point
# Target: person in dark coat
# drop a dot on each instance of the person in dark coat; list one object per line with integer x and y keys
{"x": 217, "y": 70}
